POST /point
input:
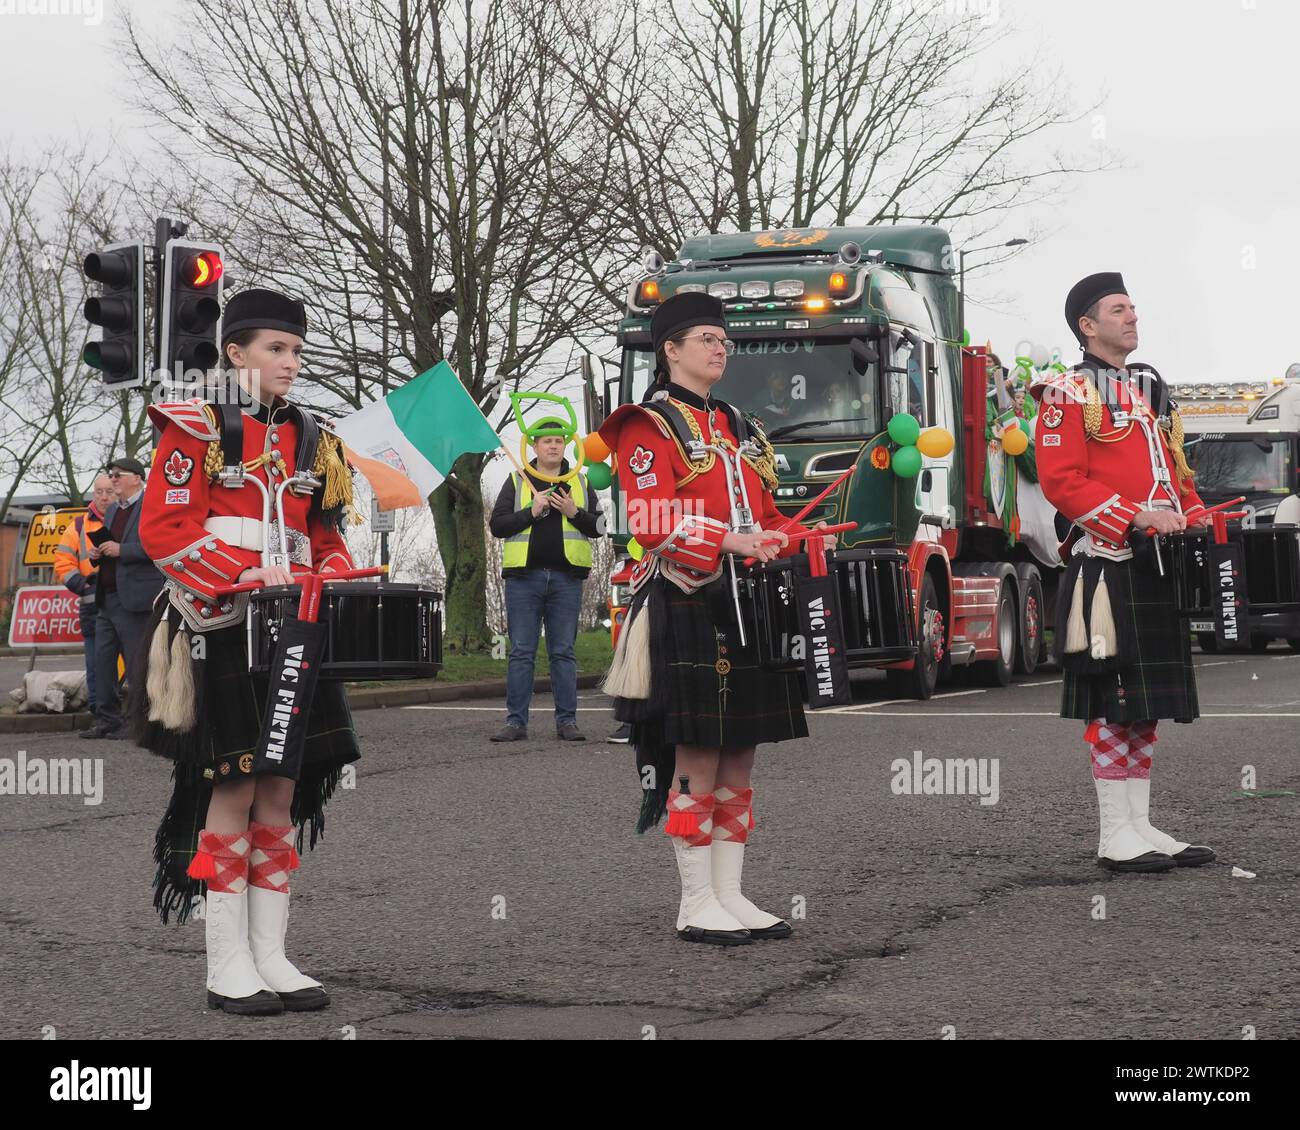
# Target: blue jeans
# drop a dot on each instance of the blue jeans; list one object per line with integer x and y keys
{"x": 552, "y": 596}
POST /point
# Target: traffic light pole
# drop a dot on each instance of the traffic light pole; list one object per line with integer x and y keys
{"x": 164, "y": 229}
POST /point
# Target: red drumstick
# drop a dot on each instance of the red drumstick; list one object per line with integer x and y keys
{"x": 345, "y": 575}
{"x": 1224, "y": 505}
{"x": 799, "y": 537}
{"x": 805, "y": 511}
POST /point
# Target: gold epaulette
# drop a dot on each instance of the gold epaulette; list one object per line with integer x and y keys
{"x": 331, "y": 467}
{"x": 1174, "y": 435}
{"x": 212, "y": 461}
{"x": 765, "y": 463}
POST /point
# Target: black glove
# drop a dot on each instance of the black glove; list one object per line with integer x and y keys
{"x": 76, "y": 581}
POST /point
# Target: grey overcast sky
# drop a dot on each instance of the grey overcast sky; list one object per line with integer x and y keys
{"x": 1202, "y": 217}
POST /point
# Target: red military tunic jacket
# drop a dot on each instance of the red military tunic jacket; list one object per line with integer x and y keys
{"x": 202, "y": 534}
{"x": 677, "y": 511}
{"x": 1101, "y": 481}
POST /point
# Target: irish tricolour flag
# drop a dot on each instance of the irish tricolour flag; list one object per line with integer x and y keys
{"x": 406, "y": 443}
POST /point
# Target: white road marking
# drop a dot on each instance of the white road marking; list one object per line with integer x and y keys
{"x": 1048, "y": 683}
{"x": 499, "y": 709}
{"x": 1021, "y": 714}
{"x": 1220, "y": 662}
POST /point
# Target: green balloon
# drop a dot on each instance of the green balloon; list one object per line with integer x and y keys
{"x": 906, "y": 461}
{"x": 965, "y": 337}
{"x": 598, "y": 475}
{"x": 904, "y": 429}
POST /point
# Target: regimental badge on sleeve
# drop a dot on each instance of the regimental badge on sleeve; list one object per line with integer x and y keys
{"x": 178, "y": 468}
{"x": 1051, "y": 416}
{"x": 640, "y": 460}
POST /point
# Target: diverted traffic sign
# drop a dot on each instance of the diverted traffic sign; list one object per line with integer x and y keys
{"x": 44, "y": 533}
{"x": 45, "y": 616}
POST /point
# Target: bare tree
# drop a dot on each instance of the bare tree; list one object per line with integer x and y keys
{"x": 381, "y": 155}
{"x": 57, "y": 422}
{"x": 724, "y": 115}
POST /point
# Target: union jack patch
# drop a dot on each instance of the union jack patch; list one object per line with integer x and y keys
{"x": 177, "y": 498}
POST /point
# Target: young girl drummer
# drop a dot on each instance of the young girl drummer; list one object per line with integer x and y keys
{"x": 196, "y": 702}
{"x": 698, "y": 702}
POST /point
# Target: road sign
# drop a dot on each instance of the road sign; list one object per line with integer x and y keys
{"x": 382, "y": 521}
{"x": 45, "y": 616}
{"x": 44, "y": 533}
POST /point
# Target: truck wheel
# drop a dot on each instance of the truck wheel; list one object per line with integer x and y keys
{"x": 1206, "y": 642}
{"x": 1293, "y": 644}
{"x": 997, "y": 672}
{"x": 1259, "y": 643}
{"x": 1029, "y": 646}
{"x": 920, "y": 681}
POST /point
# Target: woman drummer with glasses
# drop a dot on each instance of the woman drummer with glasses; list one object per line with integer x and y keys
{"x": 698, "y": 702}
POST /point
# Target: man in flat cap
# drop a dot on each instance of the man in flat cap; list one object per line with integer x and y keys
{"x": 124, "y": 593}
{"x": 1110, "y": 458}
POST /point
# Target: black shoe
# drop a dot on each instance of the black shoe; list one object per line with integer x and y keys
{"x": 1194, "y": 855}
{"x": 622, "y": 735}
{"x": 261, "y": 1003}
{"x": 569, "y": 732}
{"x": 305, "y": 1000}
{"x": 510, "y": 734}
{"x": 1148, "y": 861}
{"x": 715, "y": 937}
{"x": 781, "y": 929}
{"x": 99, "y": 730}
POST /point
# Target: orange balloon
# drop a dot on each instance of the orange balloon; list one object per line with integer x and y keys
{"x": 1014, "y": 441}
{"x": 595, "y": 448}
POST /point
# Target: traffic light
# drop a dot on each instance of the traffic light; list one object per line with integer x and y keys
{"x": 119, "y": 355}
{"x": 192, "y": 290}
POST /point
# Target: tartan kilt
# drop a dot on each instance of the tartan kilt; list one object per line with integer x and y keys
{"x": 1155, "y": 678}
{"x": 229, "y": 701}
{"x": 705, "y": 690}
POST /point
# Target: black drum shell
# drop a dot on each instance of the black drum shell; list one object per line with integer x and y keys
{"x": 377, "y": 632}
{"x": 874, "y": 600}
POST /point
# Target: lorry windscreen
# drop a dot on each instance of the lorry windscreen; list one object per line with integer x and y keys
{"x": 1241, "y": 464}
{"x": 807, "y": 388}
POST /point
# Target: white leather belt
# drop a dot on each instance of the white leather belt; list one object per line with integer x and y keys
{"x": 246, "y": 533}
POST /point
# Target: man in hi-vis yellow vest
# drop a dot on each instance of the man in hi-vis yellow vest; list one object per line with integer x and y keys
{"x": 545, "y": 562}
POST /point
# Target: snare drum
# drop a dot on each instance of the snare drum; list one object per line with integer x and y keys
{"x": 1270, "y": 563}
{"x": 767, "y": 604}
{"x": 1271, "y": 560}
{"x": 875, "y": 599}
{"x": 1186, "y": 558}
{"x": 874, "y": 602}
{"x": 376, "y": 631}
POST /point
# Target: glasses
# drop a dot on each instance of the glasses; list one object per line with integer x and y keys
{"x": 119, "y": 474}
{"x": 712, "y": 341}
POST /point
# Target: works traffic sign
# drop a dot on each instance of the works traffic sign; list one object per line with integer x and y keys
{"x": 45, "y": 616}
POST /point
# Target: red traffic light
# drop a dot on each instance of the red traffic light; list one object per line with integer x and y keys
{"x": 202, "y": 270}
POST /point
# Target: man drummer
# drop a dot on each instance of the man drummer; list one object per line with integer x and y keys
{"x": 1110, "y": 458}
{"x": 210, "y": 520}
